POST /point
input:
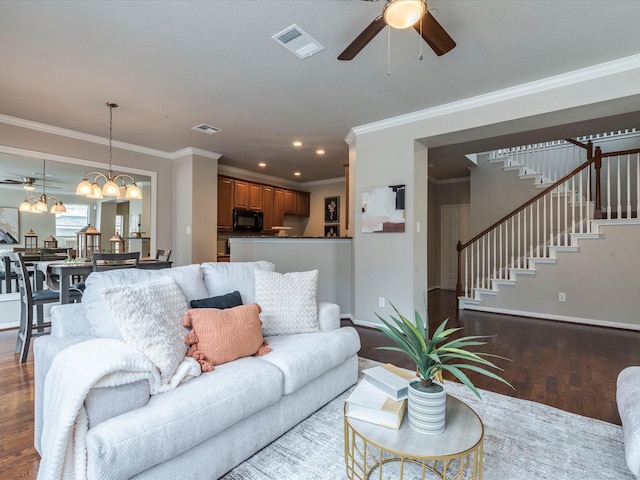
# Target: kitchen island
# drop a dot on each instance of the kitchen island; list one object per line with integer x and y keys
{"x": 332, "y": 257}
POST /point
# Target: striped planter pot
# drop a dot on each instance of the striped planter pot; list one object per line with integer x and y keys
{"x": 427, "y": 410}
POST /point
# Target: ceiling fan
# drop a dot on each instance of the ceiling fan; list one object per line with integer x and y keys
{"x": 403, "y": 14}
{"x": 28, "y": 183}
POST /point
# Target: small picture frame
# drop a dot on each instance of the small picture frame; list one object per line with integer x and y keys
{"x": 331, "y": 209}
{"x": 332, "y": 231}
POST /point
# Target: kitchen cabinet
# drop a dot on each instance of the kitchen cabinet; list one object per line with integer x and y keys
{"x": 290, "y": 202}
{"x": 268, "y": 196}
{"x": 255, "y": 197}
{"x": 278, "y": 206}
{"x": 225, "y": 206}
{"x": 302, "y": 204}
{"x": 241, "y": 194}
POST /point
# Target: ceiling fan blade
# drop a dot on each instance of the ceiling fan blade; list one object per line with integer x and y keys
{"x": 8, "y": 181}
{"x": 363, "y": 39}
{"x": 436, "y": 36}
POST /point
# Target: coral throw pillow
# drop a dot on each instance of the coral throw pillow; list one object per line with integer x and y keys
{"x": 221, "y": 336}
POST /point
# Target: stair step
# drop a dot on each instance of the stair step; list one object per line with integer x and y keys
{"x": 486, "y": 291}
{"x": 560, "y": 248}
{"x": 550, "y": 261}
{"x": 502, "y": 281}
{"x": 522, "y": 271}
{"x": 586, "y": 236}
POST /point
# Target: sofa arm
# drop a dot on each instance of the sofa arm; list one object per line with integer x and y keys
{"x": 628, "y": 400}
{"x": 69, "y": 320}
{"x": 329, "y": 316}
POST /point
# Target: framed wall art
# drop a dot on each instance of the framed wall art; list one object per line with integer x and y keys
{"x": 331, "y": 209}
{"x": 331, "y": 231}
{"x": 383, "y": 209}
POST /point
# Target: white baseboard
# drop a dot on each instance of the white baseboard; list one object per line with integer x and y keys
{"x": 549, "y": 316}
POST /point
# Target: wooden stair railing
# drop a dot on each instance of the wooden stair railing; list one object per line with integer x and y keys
{"x": 514, "y": 241}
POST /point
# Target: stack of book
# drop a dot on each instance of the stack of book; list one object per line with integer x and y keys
{"x": 381, "y": 397}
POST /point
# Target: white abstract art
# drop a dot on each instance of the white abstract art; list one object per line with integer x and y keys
{"x": 383, "y": 209}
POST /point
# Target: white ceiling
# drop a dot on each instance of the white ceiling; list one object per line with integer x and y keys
{"x": 172, "y": 65}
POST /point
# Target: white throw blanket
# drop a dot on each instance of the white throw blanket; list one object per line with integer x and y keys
{"x": 103, "y": 362}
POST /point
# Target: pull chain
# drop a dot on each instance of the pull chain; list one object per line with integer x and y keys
{"x": 420, "y": 42}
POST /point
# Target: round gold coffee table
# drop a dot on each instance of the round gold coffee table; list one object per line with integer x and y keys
{"x": 370, "y": 448}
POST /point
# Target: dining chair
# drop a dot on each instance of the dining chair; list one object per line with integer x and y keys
{"x": 112, "y": 261}
{"x": 163, "y": 255}
{"x": 31, "y": 298}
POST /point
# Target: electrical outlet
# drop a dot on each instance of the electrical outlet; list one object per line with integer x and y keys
{"x": 381, "y": 302}
{"x": 562, "y": 297}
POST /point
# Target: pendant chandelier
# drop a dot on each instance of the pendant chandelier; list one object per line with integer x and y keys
{"x": 39, "y": 204}
{"x": 110, "y": 188}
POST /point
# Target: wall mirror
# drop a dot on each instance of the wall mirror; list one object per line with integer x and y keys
{"x": 21, "y": 176}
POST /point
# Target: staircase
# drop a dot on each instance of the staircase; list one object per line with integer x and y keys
{"x": 557, "y": 255}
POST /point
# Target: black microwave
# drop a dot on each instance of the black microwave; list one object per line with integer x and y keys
{"x": 247, "y": 220}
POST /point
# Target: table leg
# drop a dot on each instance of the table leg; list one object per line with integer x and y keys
{"x": 65, "y": 284}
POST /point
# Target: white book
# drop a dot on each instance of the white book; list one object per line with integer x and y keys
{"x": 393, "y": 381}
{"x": 371, "y": 405}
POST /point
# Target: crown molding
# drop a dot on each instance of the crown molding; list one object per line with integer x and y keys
{"x": 86, "y": 137}
{"x": 195, "y": 151}
{"x": 557, "y": 81}
{"x": 326, "y": 181}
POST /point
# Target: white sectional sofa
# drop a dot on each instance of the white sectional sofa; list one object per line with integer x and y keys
{"x": 206, "y": 425}
{"x": 628, "y": 400}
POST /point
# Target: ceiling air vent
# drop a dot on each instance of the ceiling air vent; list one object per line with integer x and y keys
{"x": 298, "y": 42}
{"x": 204, "y": 128}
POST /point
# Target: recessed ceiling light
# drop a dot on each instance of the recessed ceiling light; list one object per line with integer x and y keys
{"x": 262, "y": 164}
{"x": 297, "y": 143}
{"x": 297, "y": 174}
{"x": 320, "y": 151}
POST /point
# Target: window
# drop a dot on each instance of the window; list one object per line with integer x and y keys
{"x": 67, "y": 224}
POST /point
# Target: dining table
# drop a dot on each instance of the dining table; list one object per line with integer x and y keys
{"x": 65, "y": 271}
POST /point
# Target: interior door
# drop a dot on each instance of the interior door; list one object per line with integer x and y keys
{"x": 454, "y": 225}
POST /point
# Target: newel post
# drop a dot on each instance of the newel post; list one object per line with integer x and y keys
{"x": 459, "y": 281}
{"x": 597, "y": 213}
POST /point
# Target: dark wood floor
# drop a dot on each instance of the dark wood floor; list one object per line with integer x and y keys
{"x": 568, "y": 366}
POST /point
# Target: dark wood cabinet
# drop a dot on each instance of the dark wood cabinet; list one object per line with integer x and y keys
{"x": 225, "y": 206}
{"x": 273, "y": 202}
{"x": 290, "y": 202}
{"x": 241, "y": 194}
{"x": 268, "y": 196}
{"x": 278, "y": 206}
{"x": 302, "y": 204}
{"x": 255, "y": 197}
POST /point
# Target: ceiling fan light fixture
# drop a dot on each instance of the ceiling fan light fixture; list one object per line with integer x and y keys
{"x": 25, "y": 206}
{"x": 58, "y": 207}
{"x": 133, "y": 191}
{"x": 110, "y": 188}
{"x": 402, "y": 14}
{"x": 29, "y": 186}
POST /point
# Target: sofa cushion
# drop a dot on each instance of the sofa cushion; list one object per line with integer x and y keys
{"x": 306, "y": 356}
{"x": 288, "y": 302}
{"x": 228, "y": 300}
{"x": 225, "y": 277}
{"x": 100, "y": 317}
{"x": 627, "y": 395}
{"x": 221, "y": 336}
{"x": 189, "y": 278}
{"x": 149, "y": 316}
{"x": 178, "y": 420}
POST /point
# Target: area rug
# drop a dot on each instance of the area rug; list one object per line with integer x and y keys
{"x": 523, "y": 441}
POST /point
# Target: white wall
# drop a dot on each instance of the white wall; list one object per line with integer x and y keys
{"x": 318, "y": 191}
{"x": 382, "y": 153}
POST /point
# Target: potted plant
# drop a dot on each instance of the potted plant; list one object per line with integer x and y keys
{"x": 433, "y": 356}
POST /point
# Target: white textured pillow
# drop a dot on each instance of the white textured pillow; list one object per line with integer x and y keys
{"x": 149, "y": 316}
{"x": 288, "y": 302}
